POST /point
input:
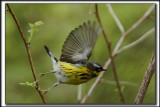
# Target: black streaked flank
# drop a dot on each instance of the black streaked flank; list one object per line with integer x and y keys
{"x": 83, "y": 74}
{"x": 84, "y": 78}
{"x": 66, "y": 68}
{"x": 94, "y": 75}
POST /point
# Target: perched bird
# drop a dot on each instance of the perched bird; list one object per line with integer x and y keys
{"x": 73, "y": 67}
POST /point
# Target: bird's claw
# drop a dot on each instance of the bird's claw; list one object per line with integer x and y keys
{"x": 44, "y": 91}
{"x": 41, "y": 74}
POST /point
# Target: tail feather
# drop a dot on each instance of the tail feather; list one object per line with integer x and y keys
{"x": 50, "y": 54}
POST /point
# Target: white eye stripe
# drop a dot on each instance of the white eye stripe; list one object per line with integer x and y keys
{"x": 96, "y": 65}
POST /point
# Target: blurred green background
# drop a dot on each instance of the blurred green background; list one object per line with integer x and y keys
{"x": 59, "y": 20}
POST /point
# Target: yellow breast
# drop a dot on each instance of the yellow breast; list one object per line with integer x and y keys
{"x": 76, "y": 74}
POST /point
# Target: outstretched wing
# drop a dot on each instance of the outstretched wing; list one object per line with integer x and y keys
{"x": 79, "y": 44}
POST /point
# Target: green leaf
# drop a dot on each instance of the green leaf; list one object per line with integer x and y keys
{"x": 38, "y": 23}
{"x": 33, "y": 29}
{"x": 28, "y": 84}
{"x": 30, "y": 25}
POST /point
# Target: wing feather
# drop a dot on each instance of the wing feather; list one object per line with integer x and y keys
{"x": 79, "y": 44}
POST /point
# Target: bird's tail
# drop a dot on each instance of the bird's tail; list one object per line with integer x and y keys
{"x": 51, "y": 55}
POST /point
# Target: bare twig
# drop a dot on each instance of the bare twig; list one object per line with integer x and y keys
{"x": 115, "y": 18}
{"x": 104, "y": 34}
{"x": 132, "y": 28}
{"x": 140, "y": 20}
{"x": 110, "y": 53}
{"x": 79, "y": 93}
{"x": 114, "y": 53}
{"x": 92, "y": 88}
{"x": 146, "y": 80}
{"x": 28, "y": 52}
{"x": 137, "y": 41}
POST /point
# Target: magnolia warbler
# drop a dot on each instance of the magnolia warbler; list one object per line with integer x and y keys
{"x": 73, "y": 67}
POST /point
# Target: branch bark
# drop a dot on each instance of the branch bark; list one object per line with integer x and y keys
{"x": 137, "y": 41}
{"x": 124, "y": 35}
{"x": 28, "y": 53}
{"x": 115, "y": 52}
{"x": 146, "y": 80}
{"x": 115, "y": 18}
{"x": 79, "y": 93}
{"x": 110, "y": 53}
{"x": 146, "y": 14}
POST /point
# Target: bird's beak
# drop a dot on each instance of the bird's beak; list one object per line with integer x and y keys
{"x": 104, "y": 70}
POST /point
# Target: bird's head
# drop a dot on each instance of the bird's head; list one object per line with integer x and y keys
{"x": 94, "y": 66}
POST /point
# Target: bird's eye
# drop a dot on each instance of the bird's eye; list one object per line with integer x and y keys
{"x": 97, "y": 69}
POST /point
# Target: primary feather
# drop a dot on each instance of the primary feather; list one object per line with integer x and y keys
{"x": 79, "y": 44}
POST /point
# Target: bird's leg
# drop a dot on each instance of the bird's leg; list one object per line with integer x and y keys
{"x": 52, "y": 87}
{"x": 42, "y": 74}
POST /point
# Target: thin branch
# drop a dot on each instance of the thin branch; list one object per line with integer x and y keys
{"x": 92, "y": 88}
{"x": 146, "y": 80}
{"x": 115, "y": 18}
{"x": 140, "y": 20}
{"x": 132, "y": 28}
{"x": 113, "y": 54}
{"x": 79, "y": 93}
{"x": 110, "y": 53}
{"x": 137, "y": 41}
{"x": 104, "y": 34}
{"x": 28, "y": 52}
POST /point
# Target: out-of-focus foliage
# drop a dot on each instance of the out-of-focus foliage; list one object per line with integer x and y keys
{"x": 59, "y": 20}
{"x": 33, "y": 29}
